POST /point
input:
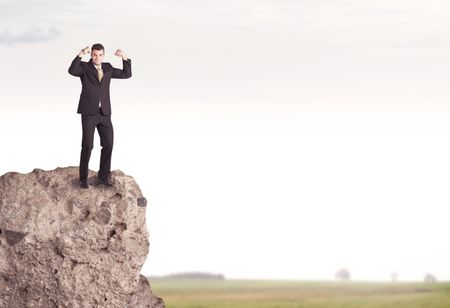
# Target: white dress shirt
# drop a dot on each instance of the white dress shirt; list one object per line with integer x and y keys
{"x": 99, "y": 67}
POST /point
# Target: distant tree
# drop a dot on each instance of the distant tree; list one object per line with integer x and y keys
{"x": 197, "y": 275}
{"x": 394, "y": 277}
{"x": 343, "y": 274}
{"x": 430, "y": 278}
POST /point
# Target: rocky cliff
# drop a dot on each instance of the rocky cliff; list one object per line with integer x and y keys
{"x": 64, "y": 246}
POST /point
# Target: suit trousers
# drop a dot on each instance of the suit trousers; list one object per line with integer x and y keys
{"x": 106, "y": 133}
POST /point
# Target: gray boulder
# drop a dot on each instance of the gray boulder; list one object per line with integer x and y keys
{"x": 64, "y": 246}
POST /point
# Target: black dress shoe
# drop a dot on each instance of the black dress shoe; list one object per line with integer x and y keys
{"x": 84, "y": 184}
{"x": 103, "y": 182}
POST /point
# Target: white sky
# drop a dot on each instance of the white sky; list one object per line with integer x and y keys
{"x": 272, "y": 139}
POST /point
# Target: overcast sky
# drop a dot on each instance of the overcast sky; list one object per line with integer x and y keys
{"x": 272, "y": 139}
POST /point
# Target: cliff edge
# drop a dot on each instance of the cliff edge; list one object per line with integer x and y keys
{"x": 64, "y": 246}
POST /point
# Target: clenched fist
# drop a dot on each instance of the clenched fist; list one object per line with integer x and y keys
{"x": 120, "y": 53}
{"x": 84, "y": 51}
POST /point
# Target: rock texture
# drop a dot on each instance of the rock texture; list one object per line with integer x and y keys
{"x": 64, "y": 246}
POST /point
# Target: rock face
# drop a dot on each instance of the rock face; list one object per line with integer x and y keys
{"x": 64, "y": 246}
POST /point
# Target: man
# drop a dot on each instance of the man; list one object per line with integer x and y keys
{"x": 95, "y": 107}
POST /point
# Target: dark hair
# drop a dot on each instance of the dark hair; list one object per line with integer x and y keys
{"x": 97, "y": 46}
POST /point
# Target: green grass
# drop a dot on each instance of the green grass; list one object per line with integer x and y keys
{"x": 194, "y": 293}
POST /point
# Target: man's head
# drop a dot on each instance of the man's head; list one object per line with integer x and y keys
{"x": 97, "y": 53}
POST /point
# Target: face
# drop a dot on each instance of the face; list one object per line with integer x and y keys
{"x": 97, "y": 56}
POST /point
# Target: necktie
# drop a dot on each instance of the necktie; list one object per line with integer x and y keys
{"x": 100, "y": 76}
{"x": 100, "y": 73}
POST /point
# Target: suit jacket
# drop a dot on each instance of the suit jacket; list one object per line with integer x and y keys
{"x": 94, "y": 91}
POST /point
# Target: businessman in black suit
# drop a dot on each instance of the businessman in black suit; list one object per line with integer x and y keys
{"x": 95, "y": 107}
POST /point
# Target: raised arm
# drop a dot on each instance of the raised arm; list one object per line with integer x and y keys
{"x": 126, "y": 65}
{"x": 75, "y": 68}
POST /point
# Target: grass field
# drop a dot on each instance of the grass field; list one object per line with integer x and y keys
{"x": 198, "y": 293}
